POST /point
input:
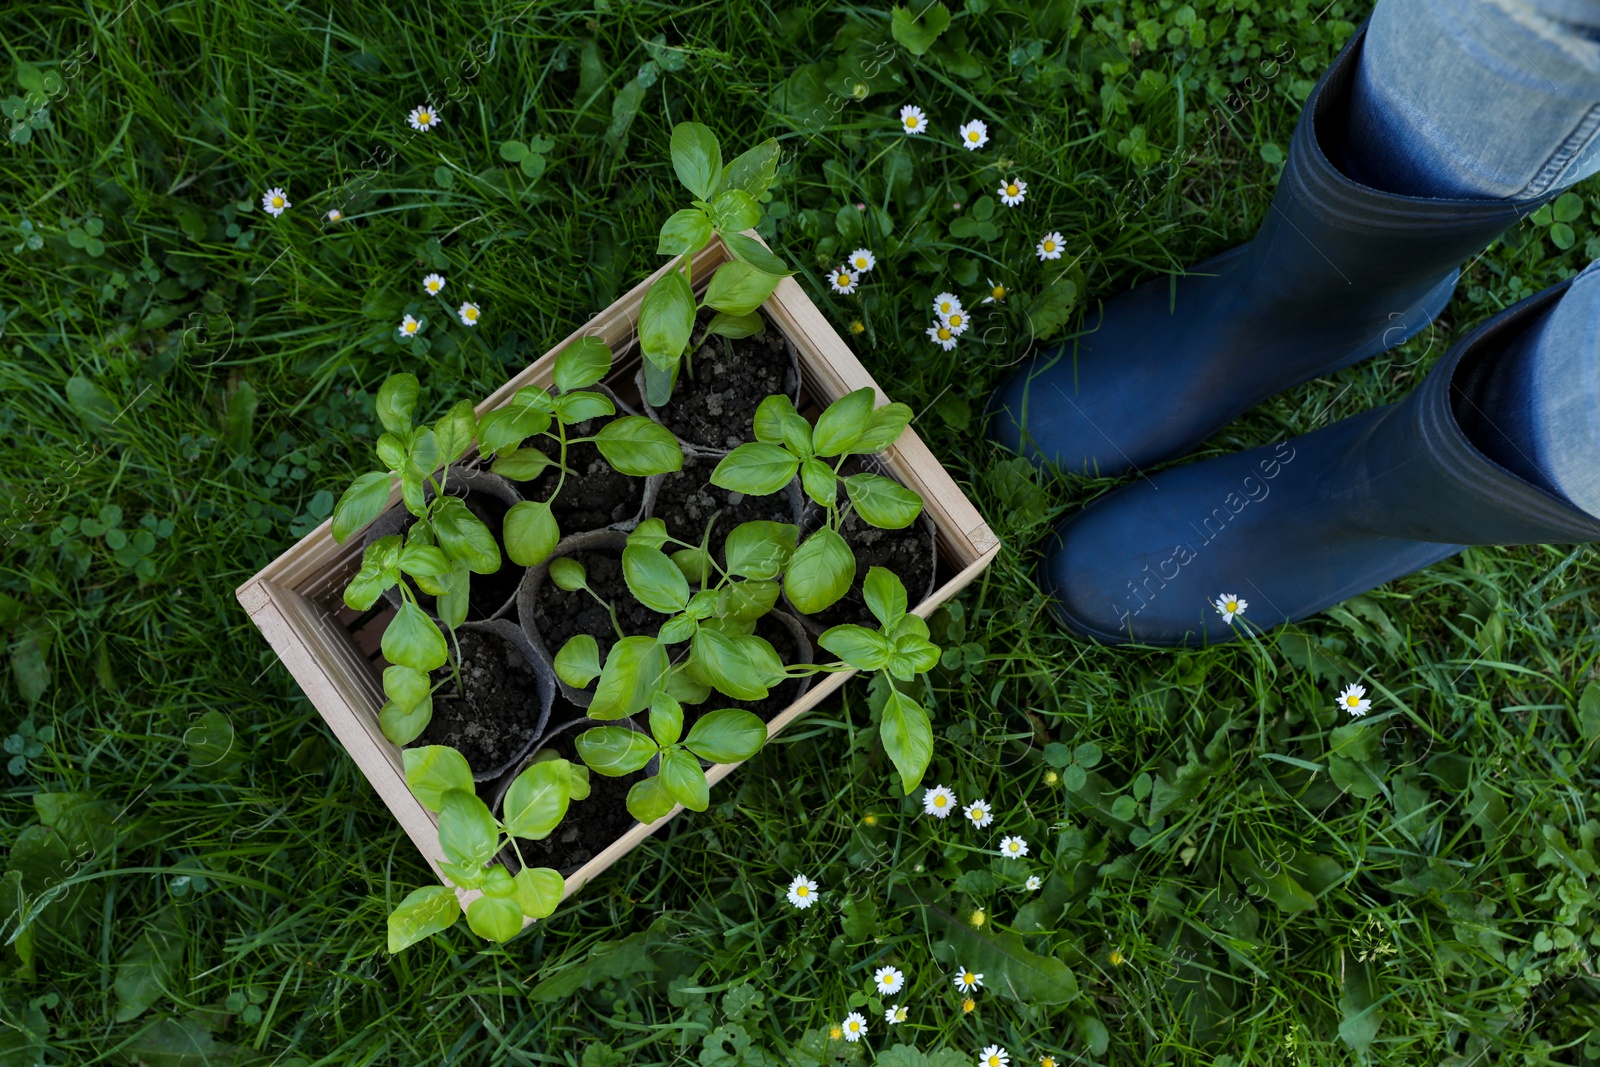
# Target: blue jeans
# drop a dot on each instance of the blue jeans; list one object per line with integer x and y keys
{"x": 1467, "y": 99}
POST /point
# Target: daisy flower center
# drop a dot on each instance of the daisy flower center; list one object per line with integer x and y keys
{"x": 973, "y": 136}
{"x": 994, "y": 1061}
{"x": 998, "y": 291}
{"x": 911, "y": 122}
{"x": 939, "y": 802}
{"x": 944, "y": 333}
{"x": 1352, "y": 700}
{"x": 844, "y": 279}
{"x": 277, "y": 201}
{"x": 1232, "y": 605}
{"x": 955, "y": 320}
{"x": 968, "y": 979}
{"x": 425, "y": 117}
{"x": 802, "y": 891}
{"x": 1049, "y": 246}
{"x": 1011, "y": 190}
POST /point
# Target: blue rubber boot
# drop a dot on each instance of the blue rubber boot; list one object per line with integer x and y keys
{"x": 1293, "y": 528}
{"x": 1337, "y": 272}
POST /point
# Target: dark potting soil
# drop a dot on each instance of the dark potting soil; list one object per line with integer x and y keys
{"x": 908, "y": 553}
{"x": 595, "y": 495}
{"x": 492, "y": 716}
{"x": 561, "y": 615}
{"x": 687, "y": 500}
{"x": 489, "y": 592}
{"x": 722, "y": 384}
{"x": 591, "y": 824}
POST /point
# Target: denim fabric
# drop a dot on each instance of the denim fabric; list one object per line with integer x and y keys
{"x": 1477, "y": 98}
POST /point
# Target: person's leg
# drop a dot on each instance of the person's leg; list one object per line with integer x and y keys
{"x": 1476, "y": 98}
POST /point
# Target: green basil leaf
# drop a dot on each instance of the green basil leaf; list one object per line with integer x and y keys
{"x": 425, "y": 561}
{"x": 464, "y": 537}
{"x": 742, "y": 667}
{"x": 497, "y": 883}
{"x": 422, "y": 454}
{"x": 368, "y": 585}
{"x": 654, "y": 580}
{"x": 539, "y": 891}
{"x": 578, "y": 662}
{"x": 413, "y": 640}
{"x": 760, "y": 549}
{"x": 912, "y": 656}
{"x": 726, "y": 736}
{"x": 568, "y": 574}
{"x": 684, "y": 781}
{"x": 821, "y": 572}
{"x": 392, "y": 451}
{"x": 666, "y": 319}
{"x": 405, "y": 686}
{"x": 467, "y": 832}
{"x": 411, "y": 492}
{"x": 843, "y": 423}
{"x": 614, "y": 750}
{"x": 695, "y": 565}
{"x": 632, "y": 674}
{"x": 530, "y": 532}
{"x": 907, "y": 738}
{"x": 666, "y": 719}
{"x": 747, "y": 601}
{"x": 455, "y": 590}
{"x": 907, "y": 624}
{"x": 753, "y": 252}
{"x": 755, "y": 469}
{"x": 404, "y": 725}
{"x": 505, "y": 427}
{"x": 466, "y": 876}
{"x": 883, "y": 428}
{"x": 676, "y": 629}
{"x": 495, "y": 918}
{"x": 885, "y": 595}
{"x": 863, "y": 649}
{"x": 753, "y": 170}
{"x": 651, "y": 533}
{"x": 737, "y": 288}
{"x": 364, "y": 501}
{"x": 397, "y": 398}
{"x": 688, "y": 231}
{"x": 455, "y": 430}
{"x": 537, "y": 799}
{"x": 819, "y": 482}
{"x": 737, "y": 326}
{"x": 769, "y": 420}
{"x": 581, "y": 364}
{"x": 424, "y": 912}
{"x": 579, "y": 775}
{"x": 521, "y": 464}
{"x": 697, "y": 158}
{"x": 576, "y": 407}
{"x": 733, "y": 210}
{"x": 638, "y": 447}
{"x": 883, "y": 502}
{"x": 649, "y": 800}
{"x": 433, "y": 770}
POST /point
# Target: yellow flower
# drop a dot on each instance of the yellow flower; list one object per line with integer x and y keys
{"x": 1117, "y": 958}
{"x": 870, "y": 820}
{"x": 977, "y": 918}
{"x": 1051, "y": 778}
{"x": 1047, "y": 1061}
{"x": 858, "y": 327}
{"x": 968, "y": 1006}
{"x": 835, "y": 1033}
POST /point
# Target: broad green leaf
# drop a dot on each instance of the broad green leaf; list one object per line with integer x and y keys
{"x": 405, "y": 686}
{"x": 666, "y": 319}
{"x": 694, "y": 564}
{"x": 433, "y": 770}
{"x": 769, "y": 420}
{"x": 578, "y": 662}
{"x": 145, "y": 972}
{"x": 728, "y": 735}
{"x": 614, "y": 750}
{"x": 1051, "y": 308}
{"x": 651, "y": 533}
{"x": 495, "y": 918}
{"x": 455, "y": 590}
{"x": 464, "y": 537}
{"x": 521, "y": 464}
{"x": 684, "y": 781}
{"x": 530, "y": 532}
{"x": 455, "y": 430}
{"x": 467, "y": 832}
{"x": 821, "y": 572}
{"x": 885, "y": 594}
{"x": 568, "y": 574}
{"x": 883, "y": 502}
{"x": 1009, "y": 969}
{"x": 737, "y": 288}
{"x": 842, "y": 424}
{"x": 364, "y": 501}
{"x": 1278, "y": 886}
{"x": 918, "y": 27}
{"x": 539, "y": 891}
{"x": 697, "y": 158}
{"x": 747, "y": 600}
{"x": 737, "y": 326}
{"x": 819, "y": 482}
{"x": 685, "y": 231}
{"x": 633, "y": 672}
{"x": 649, "y": 800}
{"x": 912, "y": 656}
{"x": 537, "y": 799}
{"x": 424, "y": 560}
{"x": 411, "y": 491}
{"x": 422, "y": 453}
{"x": 638, "y": 447}
{"x": 741, "y": 666}
{"x": 654, "y": 579}
{"x": 733, "y": 210}
{"x": 397, "y": 398}
{"x": 579, "y": 406}
{"x": 753, "y": 170}
{"x": 413, "y": 640}
{"x": 863, "y": 649}
{"x": 755, "y": 469}
{"x": 883, "y": 428}
{"x": 424, "y": 912}
{"x": 666, "y": 719}
{"x": 676, "y": 629}
{"x": 467, "y": 876}
{"x": 907, "y": 737}
{"x": 404, "y": 725}
{"x": 506, "y": 427}
{"x": 760, "y": 549}
{"x": 581, "y": 364}
{"x": 368, "y": 584}
{"x": 751, "y": 251}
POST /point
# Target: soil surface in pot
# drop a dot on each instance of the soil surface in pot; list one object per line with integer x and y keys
{"x": 488, "y": 591}
{"x": 561, "y": 615}
{"x": 590, "y": 825}
{"x": 493, "y": 715}
{"x": 777, "y": 699}
{"x": 908, "y": 553}
{"x": 721, "y": 385}
{"x": 595, "y": 496}
{"x": 687, "y": 500}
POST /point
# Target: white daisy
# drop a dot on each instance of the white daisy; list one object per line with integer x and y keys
{"x": 275, "y": 202}
{"x": 980, "y": 813}
{"x": 1228, "y": 606}
{"x": 433, "y": 284}
{"x": 862, "y": 260}
{"x": 939, "y": 802}
{"x": 942, "y": 335}
{"x": 966, "y": 981}
{"x": 945, "y": 303}
{"x": 1013, "y": 848}
{"x": 894, "y": 1013}
{"x": 1050, "y": 245}
{"x": 997, "y": 292}
{"x": 843, "y": 281}
{"x": 1013, "y": 192}
{"x": 469, "y": 313}
{"x": 1033, "y": 882}
{"x": 409, "y": 327}
{"x": 889, "y": 980}
{"x": 957, "y": 321}
{"x": 335, "y": 215}
{"x": 1353, "y": 699}
{"x": 994, "y": 1056}
{"x": 423, "y": 118}
{"x": 912, "y": 120}
{"x": 802, "y": 892}
{"x": 975, "y": 135}
{"x": 854, "y": 1026}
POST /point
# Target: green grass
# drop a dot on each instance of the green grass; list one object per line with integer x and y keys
{"x": 211, "y": 370}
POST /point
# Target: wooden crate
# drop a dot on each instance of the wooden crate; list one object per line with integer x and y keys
{"x": 296, "y": 600}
